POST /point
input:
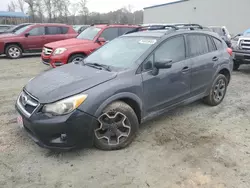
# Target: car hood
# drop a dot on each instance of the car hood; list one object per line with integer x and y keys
{"x": 68, "y": 43}
{"x": 66, "y": 81}
{"x": 7, "y": 35}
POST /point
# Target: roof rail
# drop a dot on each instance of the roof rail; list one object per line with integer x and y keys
{"x": 191, "y": 26}
{"x": 99, "y": 23}
{"x": 153, "y": 27}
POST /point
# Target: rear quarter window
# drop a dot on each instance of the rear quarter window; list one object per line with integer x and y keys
{"x": 64, "y": 30}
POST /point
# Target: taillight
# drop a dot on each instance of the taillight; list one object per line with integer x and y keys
{"x": 230, "y": 51}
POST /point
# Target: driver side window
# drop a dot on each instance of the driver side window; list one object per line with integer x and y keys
{"x": 173, "y": 49}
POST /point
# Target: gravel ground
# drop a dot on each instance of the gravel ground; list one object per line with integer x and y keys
{"x": 192, "y": 146}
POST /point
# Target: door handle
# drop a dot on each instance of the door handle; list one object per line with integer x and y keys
{"x": 185, "y": 69}
{"x": 215, "y": 58}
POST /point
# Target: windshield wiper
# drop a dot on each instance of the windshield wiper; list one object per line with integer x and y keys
{"x": 100, "y": 66}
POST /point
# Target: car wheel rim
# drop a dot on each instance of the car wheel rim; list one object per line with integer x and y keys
{"x": 219, "y": 90}
{"x": 77, "y": 59}
{"x": 14, "y": 52}
{"x": 114, "y": 128}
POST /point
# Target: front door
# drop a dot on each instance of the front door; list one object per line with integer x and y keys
{"x": 35, "y": 38}
{"x": 169, "y": 86}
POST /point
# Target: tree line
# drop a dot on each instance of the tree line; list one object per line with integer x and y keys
{"x": 65, "y": 11}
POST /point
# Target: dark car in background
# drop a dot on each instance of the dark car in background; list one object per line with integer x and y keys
{"x": 32, "y": 38}
{"x": 241, "y": 49}
{"x": 14, "y": 28}
{"x": 133, "y": 78}
{"x": 4, "y": 28}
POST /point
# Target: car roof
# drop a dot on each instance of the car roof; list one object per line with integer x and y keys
{"x": 113, "y": 25}
{"x": 161, "y": 33}
{"x": 50, "y": 24}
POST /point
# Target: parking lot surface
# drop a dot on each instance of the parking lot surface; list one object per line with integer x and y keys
{"x": 192, "y": 146}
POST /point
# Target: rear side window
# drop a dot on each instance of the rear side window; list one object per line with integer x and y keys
{"x": 53, "y": 30}
{"x": 110, "y": 34}
{"x": 173, "y": 49}
{"x": 211, "y": 45}
{"x": 64, "y": 30}
{"x": 37, "y": 31}
{"x": 197, "y": 45}
{"x": 124, "y": 30}
{"x": 218, "y": 43}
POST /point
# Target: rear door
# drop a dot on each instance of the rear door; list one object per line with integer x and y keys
{"x": 35, "y": 39}
{"x": 55, "y": 33}
{"x": 202, "y": 52}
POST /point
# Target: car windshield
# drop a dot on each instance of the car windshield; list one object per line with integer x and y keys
{"x": 121, "y": 52}
{"x": 89, "y": 33}
{"x": 19, "y": 31}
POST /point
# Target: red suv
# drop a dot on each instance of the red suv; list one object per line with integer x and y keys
{"x": 32, "y": 38}
{"x": 63, "y": 52}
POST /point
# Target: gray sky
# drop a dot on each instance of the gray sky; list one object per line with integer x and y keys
{"x": 107, "y": 5}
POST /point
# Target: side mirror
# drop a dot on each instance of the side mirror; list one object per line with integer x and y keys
{"x": 101, "y": 40}
{"x": 163, "y": 64}
{"x": 26, "y": 34}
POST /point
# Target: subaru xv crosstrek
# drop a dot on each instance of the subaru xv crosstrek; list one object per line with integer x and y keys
{"x": 67, "y": 51}
{"x": 103, "y": 99}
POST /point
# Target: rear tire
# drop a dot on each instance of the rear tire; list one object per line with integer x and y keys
{"x": 117, "y": 127}
{"x": 236, "y": 65}
{"x": 76, "y": 57}
{"x": 13, "y": 51}
{"x": 217, "y": 91}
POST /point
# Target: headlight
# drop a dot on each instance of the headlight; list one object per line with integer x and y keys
{"x": 59, "y": 51}
{"x": 64, "y": 106}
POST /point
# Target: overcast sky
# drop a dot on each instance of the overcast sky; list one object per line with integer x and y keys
{"x": 107, "y": 5}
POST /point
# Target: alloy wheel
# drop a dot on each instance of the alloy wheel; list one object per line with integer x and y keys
{"x": 219, "y": 90}
{"x": 114, "y": 128}
{"x": 14, "y": 52}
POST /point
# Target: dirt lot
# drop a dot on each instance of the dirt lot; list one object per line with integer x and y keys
{"x": 193, "y": 146}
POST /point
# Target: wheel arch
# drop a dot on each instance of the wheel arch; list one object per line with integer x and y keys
{"x": 75, "y": 53}
{"x": 12, "y": 43}
{"x": 226, "y": 73}
{"x": 129, "y": 98}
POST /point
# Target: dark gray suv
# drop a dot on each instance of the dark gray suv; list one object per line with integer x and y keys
{"x": 103, "y": 100}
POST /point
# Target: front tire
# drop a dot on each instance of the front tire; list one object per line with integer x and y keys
{"x": 217, "y": 91}
{"x": 76, "y": 58}
{"x": 117, "y": 127}
{"x": 13, "y": 51}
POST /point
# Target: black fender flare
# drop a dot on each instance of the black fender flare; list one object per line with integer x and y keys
{"x": 116, "y": 97}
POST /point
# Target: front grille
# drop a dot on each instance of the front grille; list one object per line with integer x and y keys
{"x": 245, "y": 44}
{"x": 47, "y": 51}
{"x": 27, "y": 103}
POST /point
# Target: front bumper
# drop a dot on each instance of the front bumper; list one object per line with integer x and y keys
{"x": 243, "y": 56}
{"x": 60, "y": 132}
{"x": 54, "y": 61}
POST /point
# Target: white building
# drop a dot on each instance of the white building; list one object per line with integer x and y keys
{"x": 234, "y": 14}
